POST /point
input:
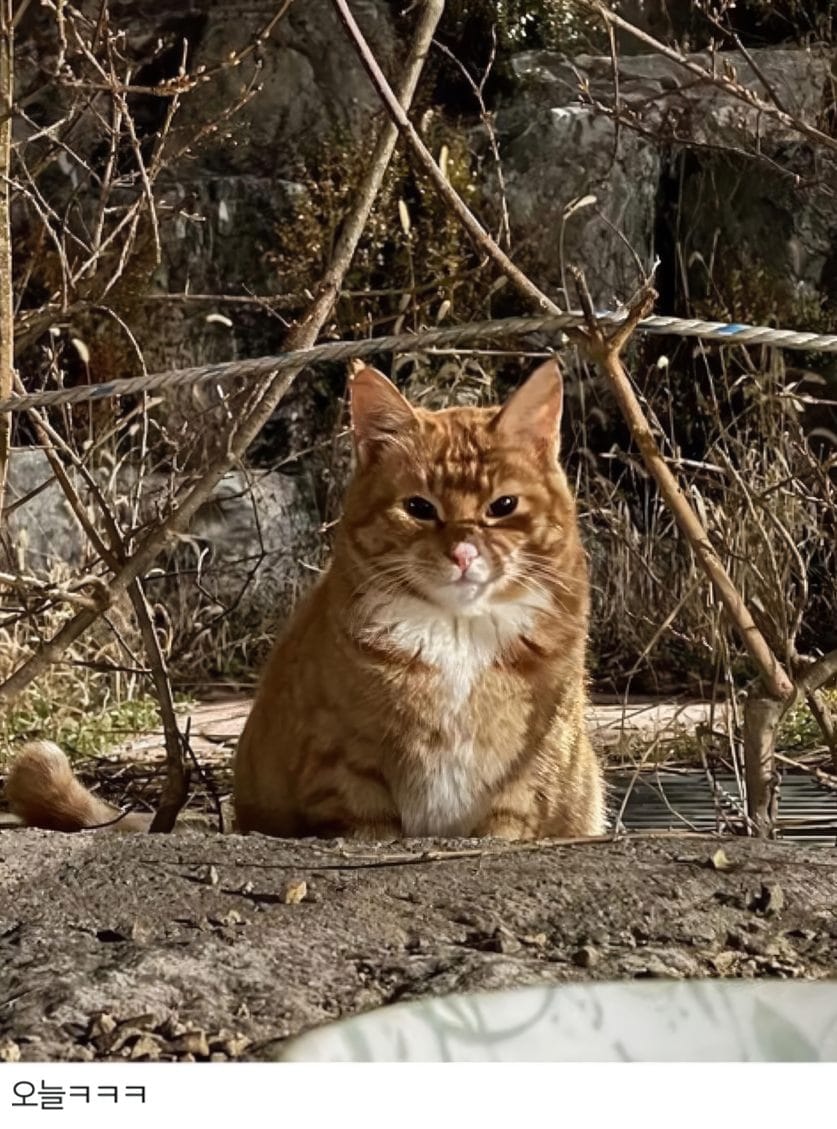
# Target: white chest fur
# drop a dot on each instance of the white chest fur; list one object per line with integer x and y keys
{"x": 459, "y": 647}
{"x": 443, "y": 797}
{"x": 443, "y": 794}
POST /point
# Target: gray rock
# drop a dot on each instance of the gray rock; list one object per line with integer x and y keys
{"x": 251, "y": 542}
{"x": 248, "y": 545}
{"x": 679, "y": 105}
{"x": 755, "y": 192}
{"x": 555, "y": 156}
{"x": 42, "y": 531}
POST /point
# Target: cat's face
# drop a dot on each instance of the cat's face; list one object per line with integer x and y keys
{"x": 465, "y": 508}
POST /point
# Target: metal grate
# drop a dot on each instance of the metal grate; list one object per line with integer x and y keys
{"x": 688, "y": 801}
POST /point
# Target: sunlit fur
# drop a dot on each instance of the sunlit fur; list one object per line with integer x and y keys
{"x": 406, "y": 698}
{"x": 413, "y": 695}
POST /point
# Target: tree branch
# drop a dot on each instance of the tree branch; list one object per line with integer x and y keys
{"x": 7, "y": 350}
{"x": 604, "y": 348}
{"x": 449, "y": 194}
{"x": 723, "y": 81}
{"x": 818, "y": 674}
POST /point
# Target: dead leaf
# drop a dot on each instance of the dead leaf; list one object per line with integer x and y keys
{"x": 294, "y": 892}
{"x": 9, "y": 1051}
{"x": 719, "y": 861}
{"x": 231, "y": 918}
{"x": 192, "y": 1043}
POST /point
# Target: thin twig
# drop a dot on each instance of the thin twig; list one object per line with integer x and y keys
{"x": 723, "y": 81}
{"x": 7, "y": 349}
{"x": 176, "y": 786}
{"x": 819, "y": 673}
{"x": 604, "y": 348}
{"x": 449, "y": 194}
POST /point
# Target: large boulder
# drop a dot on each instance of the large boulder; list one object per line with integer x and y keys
{"x": 250, "y": 548}
{"x": 753, "y": 188}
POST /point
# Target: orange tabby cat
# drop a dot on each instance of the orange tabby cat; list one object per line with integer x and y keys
{"x": 433, "y": 682}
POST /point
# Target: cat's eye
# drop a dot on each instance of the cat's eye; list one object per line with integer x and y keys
{"x": 503, "y": 506}
{"x": 420, "y": 508}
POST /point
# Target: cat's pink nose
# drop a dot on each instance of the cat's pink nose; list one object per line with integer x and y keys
{"x": 464, "y": 553}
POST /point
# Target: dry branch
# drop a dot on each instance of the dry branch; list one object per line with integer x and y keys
{"x": 815, "y": 678}
{"x": 766, "y": 703}
{"x": 819, "y": 673}
{"x": 176, "y": 787}
{"x": 761, "y": 719}
{"x": 7, "y": 351}
{"x": 449, "y": 194}
{"x": 604, "y": 348}
{"x": 721, "y": 79}
{"x": 821, "y": 711}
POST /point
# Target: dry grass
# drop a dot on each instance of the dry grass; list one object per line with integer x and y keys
{"x": 95, "y": 698}
{"x": 770, "y": 504}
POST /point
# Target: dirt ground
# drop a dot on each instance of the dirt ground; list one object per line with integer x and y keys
{"x": 198, "y": 946}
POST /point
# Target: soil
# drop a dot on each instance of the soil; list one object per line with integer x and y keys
{"x": 201, "y": 946}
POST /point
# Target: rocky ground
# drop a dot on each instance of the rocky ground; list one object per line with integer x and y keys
{"x": 198, "y": 946}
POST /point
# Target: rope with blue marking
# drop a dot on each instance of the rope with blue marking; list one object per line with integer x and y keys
{"x": 260, "y": 367}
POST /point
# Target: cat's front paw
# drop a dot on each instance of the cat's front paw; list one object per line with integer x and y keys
{"x": 506, "y": 825}
{"x": 384, "y": 832}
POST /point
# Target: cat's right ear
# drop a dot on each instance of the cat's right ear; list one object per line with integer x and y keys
{"x": 380, "y": 415}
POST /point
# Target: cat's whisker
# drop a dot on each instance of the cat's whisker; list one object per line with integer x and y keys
{"x": 548, "y": 610}
{"x": 554, "y": 582}
{"x": 535, "y": 564}
{"x": 394, "y": 570}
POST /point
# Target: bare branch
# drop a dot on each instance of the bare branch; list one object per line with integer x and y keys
{"x": 7, "y": 349}
{"x": 176, "y": 787}
{"x": 723, "y": 81}
{"x": 604, "y": 348}
{"x": 819, "y": 674}
{"x": 449, "y": 194}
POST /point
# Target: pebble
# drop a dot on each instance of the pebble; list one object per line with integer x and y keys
{"x": 293, "y": 892}
{"x": 193, "y": 1043}
{"x": 9, "y": 1051}
{"x": 586, "y": 957}
{"x": 770, "y": 899}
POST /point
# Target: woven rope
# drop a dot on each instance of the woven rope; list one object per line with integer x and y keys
{"x": 259, "y": 367}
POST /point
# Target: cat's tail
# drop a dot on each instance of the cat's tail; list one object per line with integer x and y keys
{"x": 43, "y": 791}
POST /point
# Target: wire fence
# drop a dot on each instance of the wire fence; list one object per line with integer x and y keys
{"x": 257, "y": 368}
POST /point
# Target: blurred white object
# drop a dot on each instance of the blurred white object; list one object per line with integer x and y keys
{"x": 631, "y": 1021}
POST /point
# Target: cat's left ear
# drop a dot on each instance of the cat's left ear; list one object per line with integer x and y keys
{"x": 380, "y": 414}
{"x": 532, "y": 414}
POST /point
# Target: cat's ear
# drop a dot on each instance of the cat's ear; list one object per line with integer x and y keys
{"x": 380, "y": 414}
{"x": 532, "y": 414}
